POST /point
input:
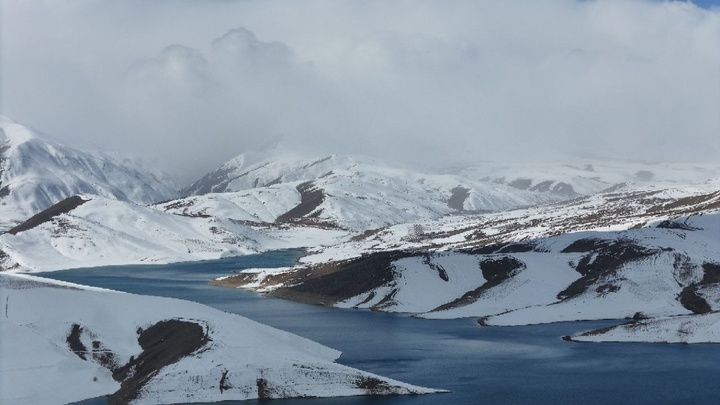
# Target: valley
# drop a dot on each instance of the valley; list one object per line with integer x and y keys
{"x": 493, "y": 245}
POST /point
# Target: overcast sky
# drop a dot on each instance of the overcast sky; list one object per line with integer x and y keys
{"x": 194, "y": 83}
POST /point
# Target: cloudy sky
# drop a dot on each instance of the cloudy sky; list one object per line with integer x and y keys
{"x": 194, "y": 83}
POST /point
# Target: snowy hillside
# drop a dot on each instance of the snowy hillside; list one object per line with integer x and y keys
{"x": 359, "y": 194}
{"x": 63, "y": 342}
{"x": 621, "y": 254}
{"x": 568, "y": 178}
{"x": 36, "y": 173}
{"x": 95, "y": 231}
{"x": 704, "y": 328}
{"x": 348, "y": 192}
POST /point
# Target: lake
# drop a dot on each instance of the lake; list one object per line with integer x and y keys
{"x": 490, "y": 365}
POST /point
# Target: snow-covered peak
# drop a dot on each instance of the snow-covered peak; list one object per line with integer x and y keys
{"x": 36, "y": 173}
{"x": 261, "y": 169}
{"x": 13, "y": 134}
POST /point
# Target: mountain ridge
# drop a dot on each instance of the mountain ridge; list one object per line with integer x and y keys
{"x": 36, "y": 173}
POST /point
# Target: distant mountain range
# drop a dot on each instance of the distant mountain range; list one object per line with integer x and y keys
{"x": 508, "y": 243}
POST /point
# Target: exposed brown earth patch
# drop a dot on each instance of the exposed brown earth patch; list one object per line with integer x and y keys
{"x": 310, "y": 199}
{"x": 63, "y": 207}
{"x": 163, "y": 344}
{"x": 495, "y": 271}
{"x": 604, "y": 259}
{"x": 328, "y": 283}
{"x": 374, "y": 386}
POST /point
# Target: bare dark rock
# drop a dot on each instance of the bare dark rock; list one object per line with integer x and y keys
{"x": 224, "y": 384}
{"x": 74, "y": 343}
{"x": 442, "y": 273}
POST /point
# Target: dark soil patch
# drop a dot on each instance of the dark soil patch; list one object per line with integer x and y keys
{"x": 163, "y": 343}
{"x": 310, "y": 198}
{"x": 46, "y": 215}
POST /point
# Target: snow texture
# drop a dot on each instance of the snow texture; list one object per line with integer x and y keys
{"x": 36, "y": 173}
{"x": 62, "y": 342}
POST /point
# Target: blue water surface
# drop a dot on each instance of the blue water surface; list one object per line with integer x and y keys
{"x": 480, "y": 365}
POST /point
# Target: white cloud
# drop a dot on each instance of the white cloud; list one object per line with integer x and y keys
{"x": 432, "y": 81}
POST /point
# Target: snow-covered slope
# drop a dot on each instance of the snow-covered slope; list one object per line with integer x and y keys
{"x": 102, "y": 231}
{"x": 350, "y": 192}
{"x": 571, "y": 177}
{"x": 36, "y": 173}
{"x": 704, "y": 328}
{"x": 612, "y": 255}
{"x": 359, "y": 193}
{"x": 62, "y": 342}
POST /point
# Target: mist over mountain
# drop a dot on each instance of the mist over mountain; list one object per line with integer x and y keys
{"x": 422, "y": 82}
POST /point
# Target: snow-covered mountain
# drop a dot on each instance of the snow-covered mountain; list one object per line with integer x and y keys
{"x": 648, "y": 252}
{"x": 94, "y": 231}
{"x": 359, "y": 193}
{"x": 63, "y": 342}
{"x": 349, "y": 192}
{"x": 36, "y": 173}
